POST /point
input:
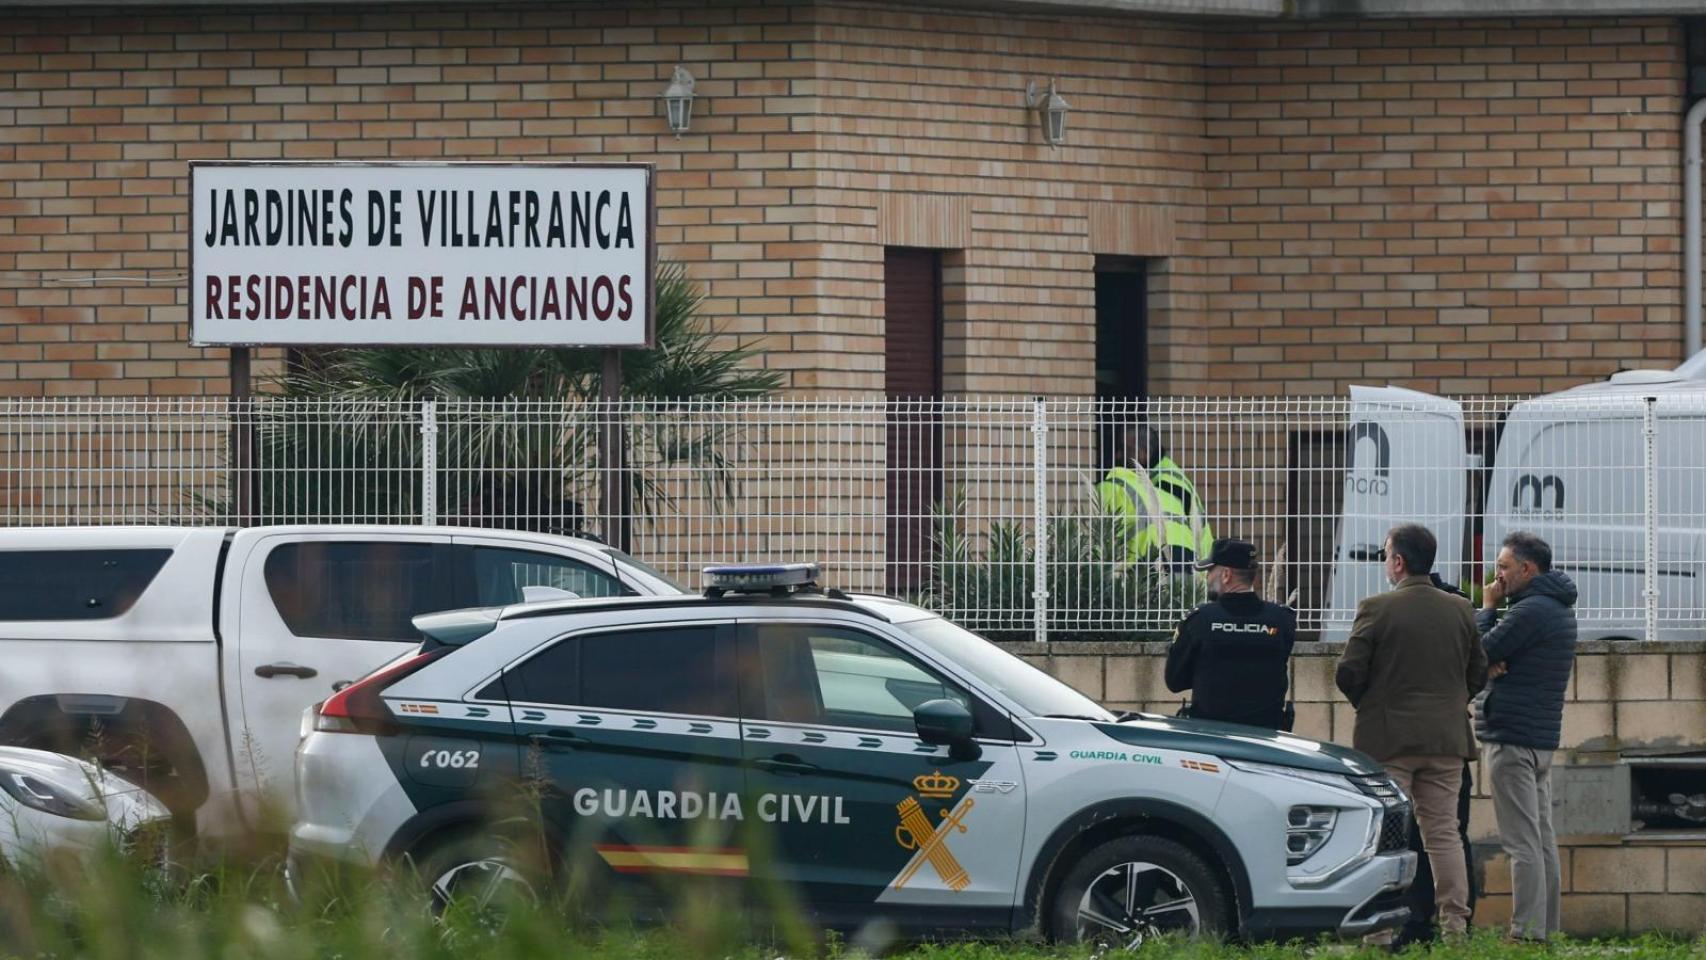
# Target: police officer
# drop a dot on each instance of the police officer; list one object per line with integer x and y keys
{"x": 1232, "y": 651}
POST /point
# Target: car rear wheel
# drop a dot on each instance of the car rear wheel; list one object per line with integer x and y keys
{"x": 1133, "y": 889}
{"x": 477, "y": 874}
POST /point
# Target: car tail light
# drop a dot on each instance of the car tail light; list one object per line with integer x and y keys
{"x": 357, "y": 707}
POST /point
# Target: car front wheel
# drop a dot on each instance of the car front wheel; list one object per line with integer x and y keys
{"x": 1136, "y": 888}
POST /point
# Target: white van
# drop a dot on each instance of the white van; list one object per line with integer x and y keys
{"x": 1568, "y": 467}
{"x": 1404, "y": 462}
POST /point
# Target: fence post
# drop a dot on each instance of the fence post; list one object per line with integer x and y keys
{"x": 429, "y": 462}
{"x": 1039, "y": 486}
{"x": 1650, "y": 474}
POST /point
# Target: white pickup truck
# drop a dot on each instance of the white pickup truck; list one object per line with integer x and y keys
{"x": 185, "y": 656}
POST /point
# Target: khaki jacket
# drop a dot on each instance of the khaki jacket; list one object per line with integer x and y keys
{"x": 1413, "y": 661}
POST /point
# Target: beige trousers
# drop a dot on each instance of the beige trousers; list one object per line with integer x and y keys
{"x": 1433, "y": 784}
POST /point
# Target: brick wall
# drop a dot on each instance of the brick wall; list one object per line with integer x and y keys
{"x": 1471, "y": 206}
{"x": 933, "y": 104}
{"x": 1463, "y": 207}
{"x": 100, "y": 114}
{"x": 773, "y": 198}
{"x": 1625, "y": 699}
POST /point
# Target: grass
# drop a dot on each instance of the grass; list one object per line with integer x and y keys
{"x": 111, "y": 907}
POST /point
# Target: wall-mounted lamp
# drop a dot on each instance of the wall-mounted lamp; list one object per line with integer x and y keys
{"x": 678, "y": 100}
{"x": 1051, "y": 110}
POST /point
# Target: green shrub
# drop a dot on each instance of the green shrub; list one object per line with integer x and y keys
{"x": 520, "y": 433}
{"x": 117, "y": 908}
{"x": 986, "y": 579}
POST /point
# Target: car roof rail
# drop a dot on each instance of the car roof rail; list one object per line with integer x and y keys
{"x": 832, "y": 599}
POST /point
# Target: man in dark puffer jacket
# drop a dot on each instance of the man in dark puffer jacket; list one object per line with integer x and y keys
{"x": 1531, "y": 649}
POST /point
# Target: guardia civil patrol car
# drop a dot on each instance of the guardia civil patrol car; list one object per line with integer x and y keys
{"x": 874, "y": 759}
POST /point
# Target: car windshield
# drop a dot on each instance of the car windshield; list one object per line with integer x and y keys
{"x": 1037, "y": 693}
{"x": 632, "y": 561}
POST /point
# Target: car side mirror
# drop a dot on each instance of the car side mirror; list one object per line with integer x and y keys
{"x": 943, "y": 722}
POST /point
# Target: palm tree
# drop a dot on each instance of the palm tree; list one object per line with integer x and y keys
{"x": 520, "y": 439}
{"x": 686, "y": 363}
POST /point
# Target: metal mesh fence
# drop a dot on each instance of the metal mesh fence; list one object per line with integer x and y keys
{"x": 1002, "y": 513}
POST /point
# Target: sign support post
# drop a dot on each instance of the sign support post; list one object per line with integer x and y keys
{"x": 242, "y": 442}
{"x": 617, "y": 488}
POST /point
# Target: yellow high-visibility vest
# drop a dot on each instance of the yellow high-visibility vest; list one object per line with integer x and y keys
{"x": 1160, "y": 509}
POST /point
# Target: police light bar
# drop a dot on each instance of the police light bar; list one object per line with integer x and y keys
{"x": 759, "y": 578}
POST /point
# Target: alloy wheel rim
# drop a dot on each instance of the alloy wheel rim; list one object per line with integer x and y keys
{"x": 1136, "y": 901}
{"x": 480, "y": 884}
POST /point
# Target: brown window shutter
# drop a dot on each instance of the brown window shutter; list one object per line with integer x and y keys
{"x": 912, "y": 331}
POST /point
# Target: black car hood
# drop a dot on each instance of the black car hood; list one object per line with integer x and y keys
{"x": 1232, "y": 741}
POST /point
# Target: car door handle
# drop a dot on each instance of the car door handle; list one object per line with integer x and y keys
{"x": 785, "y": 764}
{"x": 270, "y": 670}
{"x": 560, "y": 740}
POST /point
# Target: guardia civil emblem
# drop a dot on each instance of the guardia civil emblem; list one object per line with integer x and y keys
{"x": 930, "y": 841}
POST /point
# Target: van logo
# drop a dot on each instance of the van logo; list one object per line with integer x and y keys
{"x": 1529, "y": 497}
{"x": 1379, "y": 484}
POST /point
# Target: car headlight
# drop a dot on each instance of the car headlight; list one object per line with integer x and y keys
{"x": 49, "y": 797}
{"x": 1336, "y": 781}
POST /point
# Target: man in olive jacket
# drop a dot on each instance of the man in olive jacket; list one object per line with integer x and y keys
{"x": 1413, "y": 661}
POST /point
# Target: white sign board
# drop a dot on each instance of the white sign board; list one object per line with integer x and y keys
{"x": 472, "y": 254}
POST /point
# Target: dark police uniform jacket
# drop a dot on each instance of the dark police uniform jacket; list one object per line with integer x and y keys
{"x": 1232, "y": 653}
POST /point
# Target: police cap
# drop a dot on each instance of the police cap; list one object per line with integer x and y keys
{"x": 1230, "y": 552}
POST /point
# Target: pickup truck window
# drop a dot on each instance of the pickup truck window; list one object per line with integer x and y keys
{"x": 75, "y": 584}
{"x": 667, "y": 670}
{"x": 355, "y": 590}
{"x": 500, "y": 575}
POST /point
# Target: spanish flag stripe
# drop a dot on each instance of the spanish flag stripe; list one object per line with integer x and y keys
{"x": 655, "y": 848}
{"x": 696, "y": 871}
{"x": 626, "y": 859}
